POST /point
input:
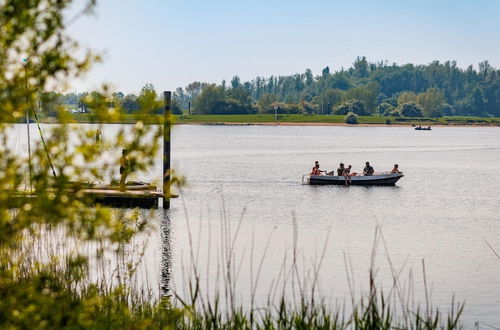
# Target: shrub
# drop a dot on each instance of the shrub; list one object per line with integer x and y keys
{"x": 354, "y": 106}
{"x": 384, "y": 109}
{"x": 351, "y": 118}
{"x": 394, "y": 113}
{"x": 411, "y": 109}
{"x": 388, "y": 121}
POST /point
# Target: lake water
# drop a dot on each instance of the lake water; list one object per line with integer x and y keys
{"x": 244, "y": 195}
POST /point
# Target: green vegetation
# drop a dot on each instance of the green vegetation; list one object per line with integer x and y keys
{"x": 290, "y": 118}
{"x": 437, "y": 89}
{"x": 351, "y": 118}
{"x": 65, "y": 265}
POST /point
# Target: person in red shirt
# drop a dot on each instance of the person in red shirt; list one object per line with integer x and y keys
{"x": 315, "y": 170}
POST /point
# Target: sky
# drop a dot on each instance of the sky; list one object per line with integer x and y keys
{"x": 171, "y": 43}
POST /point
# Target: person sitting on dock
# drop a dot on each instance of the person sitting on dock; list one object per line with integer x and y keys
{"x": 315, "y": 170}
{"x": 395, "y": 169}
{"x": 124, "y": 167}
{"x": 368, "y": 170}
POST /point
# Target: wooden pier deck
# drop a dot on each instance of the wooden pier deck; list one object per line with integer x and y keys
{"x": 110, "y": 197}
{"x": 124, "y": 198}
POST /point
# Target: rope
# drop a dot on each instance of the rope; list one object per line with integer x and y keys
{"x": 43, "y": 142}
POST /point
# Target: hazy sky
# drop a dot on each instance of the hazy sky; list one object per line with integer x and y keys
{"x": 171, "y": 43}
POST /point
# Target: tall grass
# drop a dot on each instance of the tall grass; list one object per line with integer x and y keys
{"x": 295, "y": 298}
{"x": 107, "y": 292}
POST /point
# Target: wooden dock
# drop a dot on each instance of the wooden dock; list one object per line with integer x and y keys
{"x": 124, "y": 198}
{"x": 109, "y": 197}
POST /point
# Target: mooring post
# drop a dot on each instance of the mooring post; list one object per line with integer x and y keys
{"x": 166, "y": 149}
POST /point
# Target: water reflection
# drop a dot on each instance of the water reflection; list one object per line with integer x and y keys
{"x": 166, "y": 253}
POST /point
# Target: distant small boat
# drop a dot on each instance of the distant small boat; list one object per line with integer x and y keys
{"x": 420, "y": 128}
{"x": 379, "y": 179}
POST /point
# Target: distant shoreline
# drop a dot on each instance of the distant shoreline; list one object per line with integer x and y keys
{"x": 204, "y": 123}
{"x": 290, "y": 120}
{"x": 330, "y": 124}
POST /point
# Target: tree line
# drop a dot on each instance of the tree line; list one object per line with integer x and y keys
{"x": 49, "y": 103}
{"x": 365, "y": 88}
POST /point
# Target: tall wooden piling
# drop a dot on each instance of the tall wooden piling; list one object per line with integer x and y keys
{"x": 167, "y": 95}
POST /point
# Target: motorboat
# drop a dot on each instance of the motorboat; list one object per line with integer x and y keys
{"x": 420, "y": 128}
{"x": 378, "y": 178}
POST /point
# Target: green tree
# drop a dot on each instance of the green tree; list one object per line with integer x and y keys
{"x": 37, "y": 288}
{"x": 309, "y": 77}
{"x": 432, "y": 102}
{"x": 176, "y": 107}
{"x": 448, "y": 110}
{"x": 308, "y": 108}
{"x": 325, "y": 72}
{"x": 361, "y": 67}
{"x": 354, "y": 106}
{"x": 148, "y": 100}
{"x": 50, "y": 103}
{"x": 235, "y": 82}
{"x": 384, "y": 109}
{"x": 478, "y": 101}
{"x": 406, "y": 97}
{"x": 208, "y": 100}
{"x": 130, "y": 104}
{"x": 410, "y": 109}
{"x": 330, "y": 98}
{"x": 241, "y": 95}
{"x": 194, "y": 89}
{"x": 266, "y": 101}
{"x": 368, "y": 94}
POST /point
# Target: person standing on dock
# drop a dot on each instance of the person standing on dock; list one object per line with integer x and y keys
{"x": 98, "y": 136}
{"x": 124, "y": 167}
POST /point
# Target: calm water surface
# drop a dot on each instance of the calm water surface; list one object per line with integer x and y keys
{"x": 443, "y": 211}
{"x": 244, "y": 190}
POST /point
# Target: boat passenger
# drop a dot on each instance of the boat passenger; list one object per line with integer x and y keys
{"x": 124, "y": 167}
{"x": 368, "y": 170}
{"x": 347, "y": 175}
{"x": 340, "y": 170}
{"x": 315, "y": 170}
{"x": 395, "y": 169}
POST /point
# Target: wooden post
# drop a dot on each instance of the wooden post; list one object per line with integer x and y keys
{"x": 166, "y": 149}
{"x": 25, "y": 60}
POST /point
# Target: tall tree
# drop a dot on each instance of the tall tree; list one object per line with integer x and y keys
{"x": 206, "y": 103}
{"x": 194, "y": 89}
{"x": 432, "y": 102}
